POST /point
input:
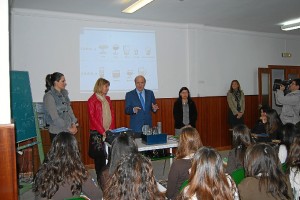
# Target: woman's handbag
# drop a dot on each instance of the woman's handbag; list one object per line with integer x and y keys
{"x": 96, "y": 145}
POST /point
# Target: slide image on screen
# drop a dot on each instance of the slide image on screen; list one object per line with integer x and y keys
{"x": 118, "y": 56}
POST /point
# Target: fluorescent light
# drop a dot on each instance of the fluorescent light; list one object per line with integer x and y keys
{"x": 137, "y": 5}
{"x": 291, "y": 25}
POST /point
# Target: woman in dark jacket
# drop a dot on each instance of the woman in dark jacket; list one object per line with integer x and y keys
{"x": 184, "y": 110}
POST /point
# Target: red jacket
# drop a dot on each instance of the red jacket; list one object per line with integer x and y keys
{"x": 95, "y": 114}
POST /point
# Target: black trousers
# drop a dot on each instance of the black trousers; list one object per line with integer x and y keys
{"x": 97, "y": 151}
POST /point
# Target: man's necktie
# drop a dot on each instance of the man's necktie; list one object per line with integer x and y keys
{"x": 142, "y": 100}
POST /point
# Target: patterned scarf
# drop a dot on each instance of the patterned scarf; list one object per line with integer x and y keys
{"x": 237, "y": 97}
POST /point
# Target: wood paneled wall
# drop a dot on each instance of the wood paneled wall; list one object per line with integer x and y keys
{"x": 212, "y": 122}
{"x": 8, "y": 172}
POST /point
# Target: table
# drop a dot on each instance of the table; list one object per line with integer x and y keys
{"x": 171, "y": 143}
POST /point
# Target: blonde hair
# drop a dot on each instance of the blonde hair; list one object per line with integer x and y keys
{"x": 99, "y": 84}
{"x": 189, "y": 142}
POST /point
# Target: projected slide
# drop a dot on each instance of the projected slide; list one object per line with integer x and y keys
{"x": 118, "y": 56}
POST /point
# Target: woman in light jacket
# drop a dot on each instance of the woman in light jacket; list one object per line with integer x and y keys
{"x": 58, "y": 111}
{"x": 236, "y": 103}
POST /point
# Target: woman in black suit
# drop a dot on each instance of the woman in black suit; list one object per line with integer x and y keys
{"x": 184, "y": 110}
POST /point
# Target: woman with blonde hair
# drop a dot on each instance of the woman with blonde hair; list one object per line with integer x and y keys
{"x": 189, "y": 143}
{"x": 208, "y": 180}
{"x": 101, "y": 117}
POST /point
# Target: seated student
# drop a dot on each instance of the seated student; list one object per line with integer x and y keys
{"x": 208, "y": 179}
{"x": 264, "y": 176}
{"x": 63, "y": 175}
{"x": 121, "y": 146}
{"x": 259, "y": 127}
{"x": 272, "y": 126}
{"x": 189, "y": 143}
{"x": 286, "y": 137}
{"x": 241, "y": 139}
{"x": 293, "y": 163}
{"x": 133, "y": 179}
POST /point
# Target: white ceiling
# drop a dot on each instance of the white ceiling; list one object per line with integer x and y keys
{"x": 251, "y": 15}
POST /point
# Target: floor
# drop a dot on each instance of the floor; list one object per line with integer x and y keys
{"x": 159, "y": 173}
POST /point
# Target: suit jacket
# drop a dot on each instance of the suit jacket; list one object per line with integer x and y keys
{"x": 142, "y": 117}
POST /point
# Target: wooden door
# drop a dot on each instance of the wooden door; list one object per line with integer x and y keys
{"x": 264, "y": 86}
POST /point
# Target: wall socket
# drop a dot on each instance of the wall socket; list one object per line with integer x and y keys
{"x": 286, "y": 55}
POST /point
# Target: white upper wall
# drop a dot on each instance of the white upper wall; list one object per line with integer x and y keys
{"x": 204, "y": 59}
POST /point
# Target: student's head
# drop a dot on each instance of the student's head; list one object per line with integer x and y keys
{"x": 295, "y": 85}
{"x": 235, "y": 85}
{"x": 121, "y": 146}
{"x": 140, "y": 82}
{"x": 287, "y": 133}
{"x": 207, "y": 178}
{"x": 133, "y": 179}
{"x": 101, "y": 86}
{"x": 294, "y": 153}
{"x": 189, "y": 142}
{"x": 262, "y": 162}
{"x": 184, "y": 93}
{"x": 56, "y": 79}
{"x": 62, "y": 164}
{"x": 273, "y": 121}
{"x": 241, "y": 136}
{"x": 263, "y": 110}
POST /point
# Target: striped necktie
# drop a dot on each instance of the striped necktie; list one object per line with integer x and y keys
{"x": 142, "y": 100}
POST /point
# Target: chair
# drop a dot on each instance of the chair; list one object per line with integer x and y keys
{"x": 238, "y": 175}
{"x": 183, "y": 185}
{"x": 163, "y": 158}
{"x": 284, "y": 167}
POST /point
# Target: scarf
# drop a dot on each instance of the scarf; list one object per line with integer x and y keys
{"x": 106, "y": 113}
{"x": 237, "y": 97}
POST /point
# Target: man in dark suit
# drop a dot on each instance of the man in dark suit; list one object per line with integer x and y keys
{"x": 139, "y": 104}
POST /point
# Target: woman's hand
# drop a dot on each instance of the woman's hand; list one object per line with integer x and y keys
{"x": 239, "y": 115}
{"x": 73, "y": 129}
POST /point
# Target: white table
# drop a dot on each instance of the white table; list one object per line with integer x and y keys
{"x": 171, "y": 143}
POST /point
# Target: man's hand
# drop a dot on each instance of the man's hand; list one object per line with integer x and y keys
{"x": 136, "y": 109}
{"x": 73, "y": 129}
{"x": 155, "y": 107}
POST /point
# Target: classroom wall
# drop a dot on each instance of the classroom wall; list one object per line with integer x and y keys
{"x": 203, "y": 58}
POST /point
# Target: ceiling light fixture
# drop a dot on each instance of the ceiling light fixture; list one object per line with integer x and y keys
{"x": 291, "y": 25}
{"x": 137, "y": 5}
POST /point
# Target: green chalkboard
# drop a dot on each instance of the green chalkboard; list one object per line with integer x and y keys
{"x": 22, "y": 106}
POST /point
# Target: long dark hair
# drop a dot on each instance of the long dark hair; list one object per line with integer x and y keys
{"x": 208, "y": 179}
{"x": 293, "y": 160}
{"x": 262, "y": 162}
{"x": 273, "y": 121}
{"x": 287, "y": 133}
{"x": 62, "y": 165}
{"x": 133, "y": 179}
{"x": 51, "y": 78}
{"x": 241, "y": 140}
{"x": 189, "y": 97}
{"x": 121, "y": 146}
